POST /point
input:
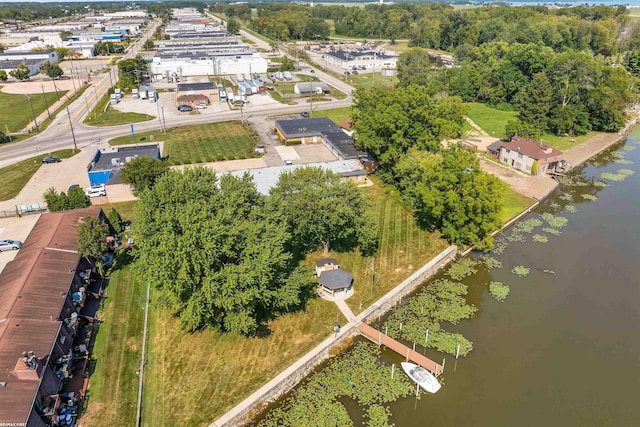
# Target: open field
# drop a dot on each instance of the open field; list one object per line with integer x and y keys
{"x": 491, "y": 120}
{"x": 367, "y": 80}
{"x": 15, "y": 113}
{"x": 201, "y": 143}
{"x": 15, "y": 177}
{"x": 563, "y": 143}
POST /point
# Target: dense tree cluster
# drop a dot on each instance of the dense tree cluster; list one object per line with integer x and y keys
{"x": 224, "y": 256}
{"x": 403, "y": 130}
{"x": 92, "y": 237}
{"x": 565, "y": 93}
{"x": 132, "y": 72}
{"x": 76, "y": 199}
{"x": 289, "y": 23}
{"x": 142, "y": 173}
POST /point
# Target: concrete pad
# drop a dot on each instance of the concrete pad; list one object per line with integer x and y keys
{"x": 15, "y": 229}
{"x": 115, "y": 193}
{"x": 230, "y": 165}
{"x": 313, "y": 153}
{"x": 536, "y": 187}
{"x": 287, "y": 153}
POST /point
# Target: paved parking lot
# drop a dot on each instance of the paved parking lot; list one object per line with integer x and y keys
{"x": 15, "y": 229}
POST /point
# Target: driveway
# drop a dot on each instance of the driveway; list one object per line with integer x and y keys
{"x": 536, "y": 187}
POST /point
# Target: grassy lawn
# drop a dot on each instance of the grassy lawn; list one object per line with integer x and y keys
{"x": 563, "y": 143}
{"x": 335, "y": 114}
{"x": 15, "y": 113}
{"x": 201, "y": 143}
{"x": 112, "y": 117}
{"x": 367, "y": 80}
{"x": 489, "y": 119}
{"x": 191, "y": 379}
{"x": 467, "y": 128}
{"x": 514, "y": 203}
{"x": 16, "y": 176}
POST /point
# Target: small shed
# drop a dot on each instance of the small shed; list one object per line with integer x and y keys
{"x": 337, "y": 280}
{"x": 326, "y": 265}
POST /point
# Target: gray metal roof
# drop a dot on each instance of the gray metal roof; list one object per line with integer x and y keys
{"x": 356, "y": 54}
{"x": 335, "y": 279}
{"x": 326, "y": 261}
{"x": 103, "y": 159}
{"x": 325, "y": 127}
{"x": 185, "y": 87}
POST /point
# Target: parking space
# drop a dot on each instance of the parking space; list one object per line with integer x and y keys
{"x": 15, "y": 229}
{"x": 313, "y": 153}
{"x": 287, "y": 153}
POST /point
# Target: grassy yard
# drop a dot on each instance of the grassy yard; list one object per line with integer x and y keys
{"x": 491, "y": 120}
{"x": 201, "y": 143}
{"x": 15, "y": 113}
{"x": 367, "y": 80}
{"x": 335, "y": 114}
{"x": 16, "y": 176}
{"x": 514, "y": 203}
{"x": 113, "y": 117}
{"x": 563, "y": 143}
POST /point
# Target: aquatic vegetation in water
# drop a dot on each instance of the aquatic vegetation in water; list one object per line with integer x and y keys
{"x": 528, "y": 225}
{"x": 554, "y": 221}
{"x": 626, "y": 172}
{"x": 490, "y": 262}
{"x": 357, "y": 375}
{"x": 499, "y": 291}
{"x": 441, "y": 301}
{"x": 548, "y": 271}
{"x": 589, "y": 197}
{"x": 378, "y": 416}
{"x": 600, "y": 184}
{"x": 516, "y": 236}
{"x": 623, "y": 162}
{"x": 571, "y": 209}
{"x": 621, "y": 175}
{"x": 567, "y": 197}
{"x": 629, "y": 147}
{"x": 551, "y": 230}
{"x": 462, "y": 268}
{"x": 581, "y": 184}
{"x": 498, "y": 248}
{"x": 521, "y": 270}
{"x": 540, "y": 238}
{"x": 555, "y": 206}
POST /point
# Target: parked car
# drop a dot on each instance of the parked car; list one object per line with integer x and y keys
{"x": 201, "y": 106}
{"x": 96, "y": 192}
{"x": 304, "y": 114}
{"x": 354, "y": 72}
{"x": 72, "y": 186}
{"x": 288, "y": 162}
{"x": 51, "y": 159}
{"x": 312, "y": 71}
{"x": 185, "y": 108}
{"x": 10, "y": 245}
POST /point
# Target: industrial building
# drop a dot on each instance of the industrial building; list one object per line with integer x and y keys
{"x": 32, "y": 60}
{"x": 366, "y": 59}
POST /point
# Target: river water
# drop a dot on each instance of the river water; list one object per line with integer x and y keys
{"x": 564, "y": 348}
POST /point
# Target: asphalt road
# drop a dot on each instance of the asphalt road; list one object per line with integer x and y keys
{"x": 59, "y": 134}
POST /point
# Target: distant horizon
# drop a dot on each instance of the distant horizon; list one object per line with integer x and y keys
{"x": 515, "y": 2}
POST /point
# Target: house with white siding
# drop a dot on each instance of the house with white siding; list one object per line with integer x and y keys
{"x": 529, "y": 156}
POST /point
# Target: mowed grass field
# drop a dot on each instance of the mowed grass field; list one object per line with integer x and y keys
{"x": 16, "y": 176}
{"x": 335, "y": 114}
{"x": 201, "y": 143}
{"x": 15, "y": 113}
{"x": 113, "y": 117}
{"x": 366, "y": 80}
{"x": 514, "y": 203}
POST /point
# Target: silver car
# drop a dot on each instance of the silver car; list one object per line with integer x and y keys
{"x": 10, "y": 245}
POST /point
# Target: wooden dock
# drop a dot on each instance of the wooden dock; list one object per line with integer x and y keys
{"x": 381, "y": 339}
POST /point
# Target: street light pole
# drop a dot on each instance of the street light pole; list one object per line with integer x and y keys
{"x": 32, "y": 112}
{"x": 164, "y": 122}
{"x": 75, "y": 145}
{"x": 159, "y": 117}
{"x": 44, "y": 96}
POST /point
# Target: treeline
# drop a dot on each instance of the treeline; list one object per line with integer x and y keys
{"x": 598, "y": 29}
{"x": 38, "y": 11}
{"x": 403, "y": 129}
{"x": 565, "y": 93}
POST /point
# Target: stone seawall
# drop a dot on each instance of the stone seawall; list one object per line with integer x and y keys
{"x": 291, "y": 376}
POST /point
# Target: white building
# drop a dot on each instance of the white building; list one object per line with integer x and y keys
{"x": 231, "y": 62}
{"x": 368, "y": 59}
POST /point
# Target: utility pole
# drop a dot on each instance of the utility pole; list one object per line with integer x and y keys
{"x": 159, "y": 117}
{"x": 164, "y": 122}
{"x": 73, "y": 135}
{"x": 32, "y": 112}
{"x": 55, "y": 89}
{"x": 44, "y": 96}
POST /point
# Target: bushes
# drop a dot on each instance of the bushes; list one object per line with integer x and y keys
{"x": 76, "y": 199}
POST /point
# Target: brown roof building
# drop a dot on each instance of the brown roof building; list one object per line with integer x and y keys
{"x": 44, "y": 323}
{"x": 529, "y": 156}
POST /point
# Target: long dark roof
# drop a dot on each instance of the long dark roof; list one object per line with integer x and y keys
{"x": 356, "y": 54}
{"x": 529, "y": 147}
{"x": 325, "y": 127}
{"x": 185, "y": 87}
{"x": 103, "y": 159}
{"x": 33, "y": 288}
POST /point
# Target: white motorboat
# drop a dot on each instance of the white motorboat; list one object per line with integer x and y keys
{"x": 425, "y": 379}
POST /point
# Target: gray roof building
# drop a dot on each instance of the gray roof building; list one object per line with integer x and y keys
{"x": 335, "y": 280}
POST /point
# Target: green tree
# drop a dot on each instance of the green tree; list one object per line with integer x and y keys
{"x": 64, "y": 52}
{"x": 525, "y": 130}
{"x": 133, "y": 72}
{"x": 216, "y": 258}
{"x": 4, "y": 138}
{"x": 3, "y": 76}
{"x": 65, "y": 35}
{"x": 116, "y": 221}
{"x": 414, "y": 67}
{"x": 534, "y": 102}
{"x": 76, "y": 199}
{"x": 141, "y": 173}
{"x": 2, "y": 48}
{"x": 92, "y": 237}
{"x": 20, "y": 73}
{"x": 55, "y": 201}
{"x": 149, "y": 44}
{"x": 233, "y": 26}
{"x": 322, "y": 211}
{"x": 52, "y": 70}
{"x": 451, "y": 193}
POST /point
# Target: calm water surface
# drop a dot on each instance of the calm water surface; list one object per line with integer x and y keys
{"x": 564, "y": 348}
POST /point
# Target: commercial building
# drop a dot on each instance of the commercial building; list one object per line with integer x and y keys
{"x": 366, "y": 59}
{"x": 32, "y": 60}
{"x": 49, "y": 295}
{"x": 324, "y": 130}
{"x": 107, "y": 163}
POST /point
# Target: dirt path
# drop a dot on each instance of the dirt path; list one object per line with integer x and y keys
{"x": 476, "y": 127}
